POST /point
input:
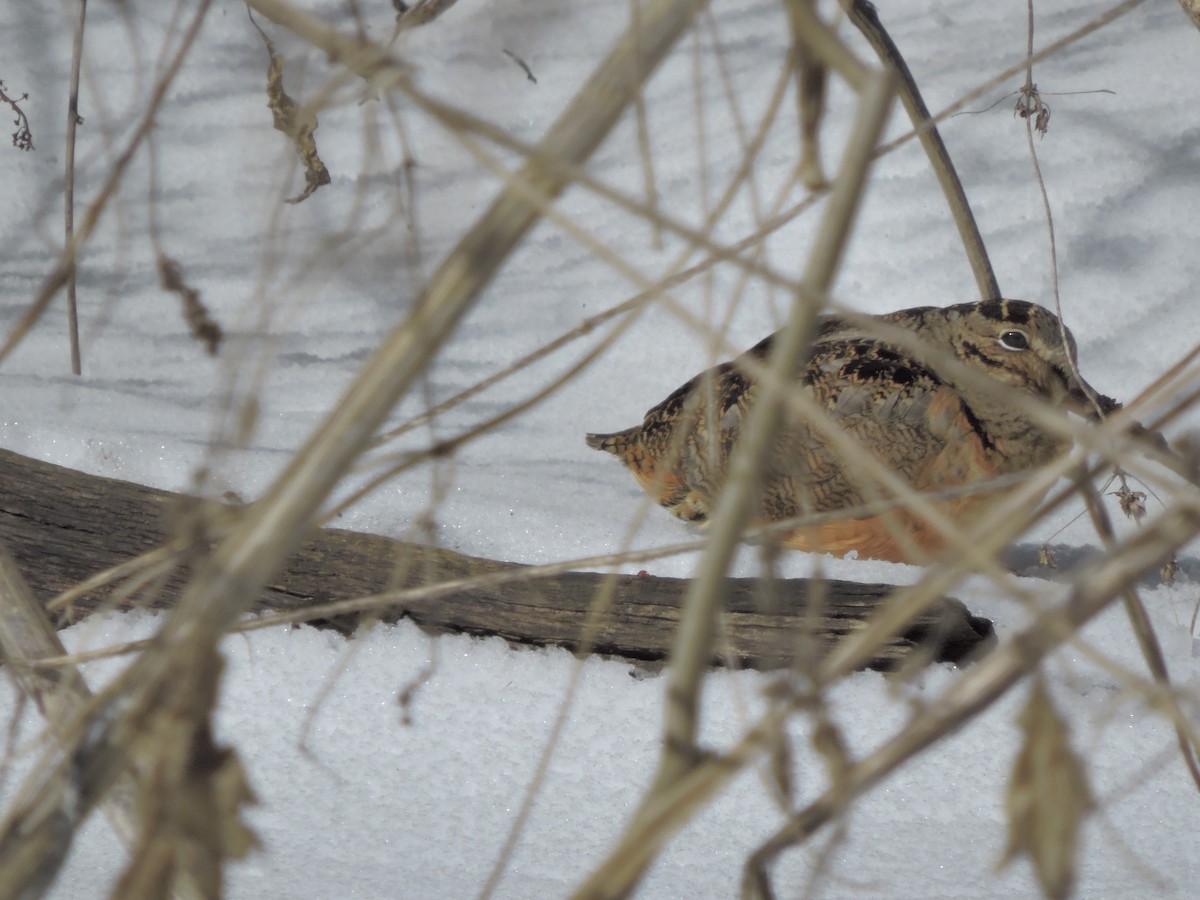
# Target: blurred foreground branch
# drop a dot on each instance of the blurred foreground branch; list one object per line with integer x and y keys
{"x": 26, "y": 637}
{"x": 865, "y": 17}
{"x": 1192, "y": 8}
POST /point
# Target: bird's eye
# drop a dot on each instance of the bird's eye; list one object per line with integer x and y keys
{"x": 1014, "y": 340}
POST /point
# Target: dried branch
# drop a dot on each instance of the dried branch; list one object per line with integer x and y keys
{"x": 1139, "y": 619}
{"x": 734, "y": 507}
{"x": 422, "y": 12}
{"x": 22, "y": 137}
{"x": 694, "y": 641}
{"x": 810, "y": 98}
{"x": 864, "y": 15}
{"x": 1048, "y": 796}
{"x": 1192, "y": 8}
{"x": 73, "y": 121}
{"x": 27, "y": 639}
{"x": 296, "y": 122}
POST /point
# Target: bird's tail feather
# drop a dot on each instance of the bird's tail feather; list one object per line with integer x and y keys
{"x": 614, "y": 443}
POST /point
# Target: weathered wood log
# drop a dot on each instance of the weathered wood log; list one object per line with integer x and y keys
{"x": 62, "y": 526}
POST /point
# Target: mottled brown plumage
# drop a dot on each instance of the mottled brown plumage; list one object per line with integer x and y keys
{"x": 936, "y": 431}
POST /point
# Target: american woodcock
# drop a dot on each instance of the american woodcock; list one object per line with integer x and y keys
{"x": 910, "y": 411}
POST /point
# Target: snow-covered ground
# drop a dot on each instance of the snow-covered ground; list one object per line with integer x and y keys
{"x": 353, "y": 800}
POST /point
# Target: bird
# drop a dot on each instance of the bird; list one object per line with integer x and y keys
{"x": 935, "y": 428}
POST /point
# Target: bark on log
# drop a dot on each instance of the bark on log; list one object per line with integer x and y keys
{"x": 62, "y": 526}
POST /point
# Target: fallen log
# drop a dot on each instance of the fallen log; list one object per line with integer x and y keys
{"x": 63, "y": 526}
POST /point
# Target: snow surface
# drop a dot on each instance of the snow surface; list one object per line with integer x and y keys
{"x": 354, "y": 802}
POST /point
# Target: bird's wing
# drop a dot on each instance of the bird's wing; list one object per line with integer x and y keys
{"x": 895, "y": 408}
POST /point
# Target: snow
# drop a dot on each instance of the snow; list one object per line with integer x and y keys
{"x": 353, "y": 800}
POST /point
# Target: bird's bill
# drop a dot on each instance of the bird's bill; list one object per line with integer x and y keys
{"x": 1083, "y": 399}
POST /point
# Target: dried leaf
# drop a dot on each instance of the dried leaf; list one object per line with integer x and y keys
{"x": 194, "y": 794}
{"x": 1048, "y": 797}
{"x": 296, "y": 123}
{"x": 1046, "y": 557}
{"x": 231, "y": 791}
{"x": 1133, "y": 503}
{"x": 195, "y": 313}
{"x": 1030, "y": 105}
{"x": 1169, "y": 570}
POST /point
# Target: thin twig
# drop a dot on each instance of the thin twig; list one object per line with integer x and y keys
{"x": 863, "y": 14}
{"x": 1105, "y": 18}
{"x": 73, "y": 120}
{"x": 694, "y": 643}
{"x": 642, "y": 125}
{"x": 1033, "y": 111}
{"x": 22, "y": 137}
{"x": 1037, "y": 117}
{"x": 1148, "y": 641}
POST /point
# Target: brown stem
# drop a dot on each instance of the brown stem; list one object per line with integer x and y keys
{"x": 73, "y": 120}
{"x": 864, "y": 16}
